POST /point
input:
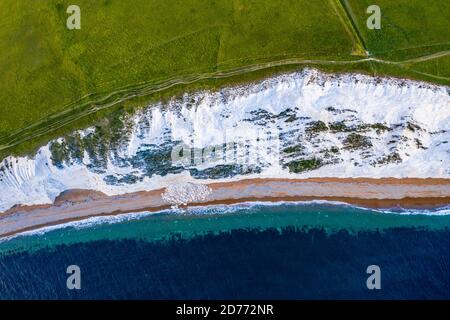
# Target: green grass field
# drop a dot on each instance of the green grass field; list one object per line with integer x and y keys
{"x": 126, "y": 54}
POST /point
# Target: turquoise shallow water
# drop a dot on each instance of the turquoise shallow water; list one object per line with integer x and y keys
{"x": 278, "y": 251}
{"x": 330, "y": 217}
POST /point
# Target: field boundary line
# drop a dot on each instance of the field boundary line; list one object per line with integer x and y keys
{"x": 352, "y": 20}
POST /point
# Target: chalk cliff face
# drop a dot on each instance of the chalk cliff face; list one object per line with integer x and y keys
{"x": 298, "y": 125}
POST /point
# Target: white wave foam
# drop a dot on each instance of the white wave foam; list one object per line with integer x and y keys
{"x": 87, "y": 223}
{"x": 439, "y": 211}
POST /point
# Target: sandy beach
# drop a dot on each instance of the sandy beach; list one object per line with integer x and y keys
{"x": 74, "y": 205}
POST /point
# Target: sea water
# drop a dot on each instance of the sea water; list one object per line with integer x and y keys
{"x": 305, "y": 250}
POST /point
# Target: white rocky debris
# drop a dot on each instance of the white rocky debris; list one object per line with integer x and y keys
{"x": 185, "y": 193}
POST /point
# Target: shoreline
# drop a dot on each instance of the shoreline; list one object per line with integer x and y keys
{"x": 77, "y": 205}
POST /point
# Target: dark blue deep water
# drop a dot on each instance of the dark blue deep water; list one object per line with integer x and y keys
{"x": 278, "y": 252}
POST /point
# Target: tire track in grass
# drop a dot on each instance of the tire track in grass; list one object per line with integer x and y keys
{"x": 352, "y": 20}
{"x": 343, "y": 17}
